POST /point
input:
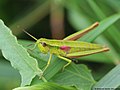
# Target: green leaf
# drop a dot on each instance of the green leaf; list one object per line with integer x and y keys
{"x": 9, "y": 77}
{"x": 18, "y": 56}
{"x": 111, "y": 80}
{"x": 46, "y": 86}
{"x": 75, "y": 75}
{"x": 112, "y": 54}
{"x": 100, "y": 58}
{"x": 104, "y": 24}
{"x": 114, "y": 4}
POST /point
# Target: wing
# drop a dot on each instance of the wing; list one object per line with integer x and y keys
{"x": 80, "y": 44}
{"x": 79, "y": 34}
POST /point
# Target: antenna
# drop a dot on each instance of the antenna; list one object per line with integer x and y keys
{"x": 30, "y": 35}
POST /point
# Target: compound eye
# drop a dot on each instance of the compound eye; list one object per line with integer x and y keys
{"x": 43, "y": 44}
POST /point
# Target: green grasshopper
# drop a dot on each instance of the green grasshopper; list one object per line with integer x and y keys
{"x": 68, "y": 47}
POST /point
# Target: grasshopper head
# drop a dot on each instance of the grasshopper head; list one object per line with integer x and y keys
{"x": 42, "y": 45}
{"x": 40, "y": 42}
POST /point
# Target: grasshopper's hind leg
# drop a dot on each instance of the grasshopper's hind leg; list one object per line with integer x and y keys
{"x": 66, "y": 59}
{"x": 48, "y": 63}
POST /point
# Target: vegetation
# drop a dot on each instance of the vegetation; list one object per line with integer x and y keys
{"x": 43, "y": 18}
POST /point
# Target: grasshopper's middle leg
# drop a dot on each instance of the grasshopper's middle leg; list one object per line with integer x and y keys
{"x": 66, "y": 59}
{"x": 48, "y": 63}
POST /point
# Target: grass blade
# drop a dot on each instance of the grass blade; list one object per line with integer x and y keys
{"x": 111, "y": 80}
{"x": 104, "y": 24}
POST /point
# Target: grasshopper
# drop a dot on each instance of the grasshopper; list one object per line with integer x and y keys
{"x": 68, "y": 47}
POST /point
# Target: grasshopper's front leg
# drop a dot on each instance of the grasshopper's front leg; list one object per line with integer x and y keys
{"x": 32, "y": 47}
{"x": 66, "y": 59}
{"x": 48, "y": 63}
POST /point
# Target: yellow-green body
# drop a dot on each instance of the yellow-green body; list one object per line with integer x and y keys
{"x": 68, "y": 47}
{"x": 53, "y": 46}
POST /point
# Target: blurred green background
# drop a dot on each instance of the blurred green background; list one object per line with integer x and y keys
{"x": 57, "y": 19}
